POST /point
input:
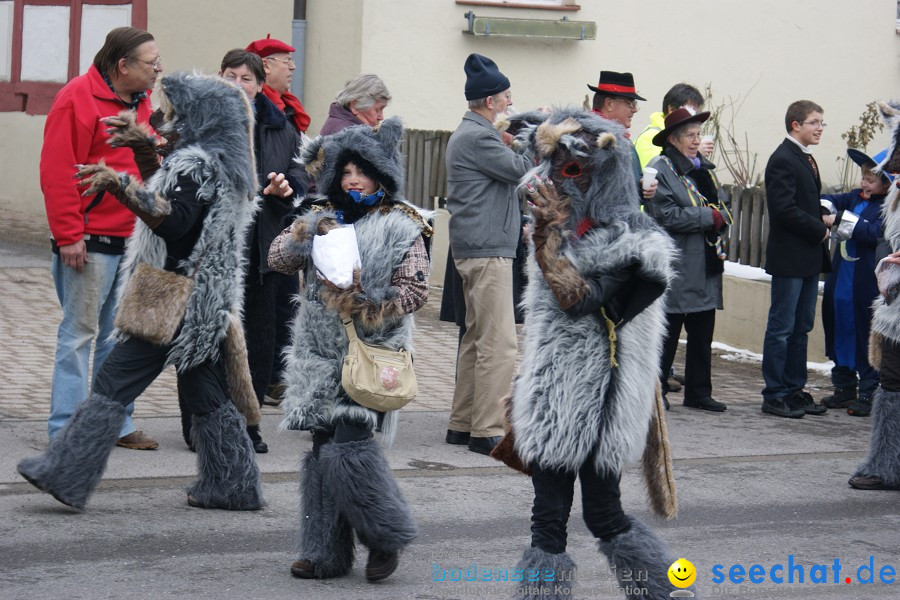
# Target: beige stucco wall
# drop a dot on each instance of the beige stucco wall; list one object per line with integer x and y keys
{"x": 743, "y": 322}
{"x": 769, "y": 52}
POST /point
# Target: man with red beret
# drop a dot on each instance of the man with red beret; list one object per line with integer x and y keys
{"x": 279, "y": 65}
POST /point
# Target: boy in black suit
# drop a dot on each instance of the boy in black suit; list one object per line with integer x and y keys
{"x": 795, "y": 255}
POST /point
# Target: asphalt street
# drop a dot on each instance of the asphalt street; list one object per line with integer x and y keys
{"x": 753, "y": 490}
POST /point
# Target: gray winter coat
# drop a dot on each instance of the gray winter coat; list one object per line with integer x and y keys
{"x": 692, "y": 289}
{"x": 482, "y": 174}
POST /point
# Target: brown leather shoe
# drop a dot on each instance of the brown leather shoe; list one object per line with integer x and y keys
{"x": 137, "y": 440}
{"x": 381, "y": 564}
{"x": 870, "y": 482}
{"x": 303, "y": 569}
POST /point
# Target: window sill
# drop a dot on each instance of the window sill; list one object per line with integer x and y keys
{"x": 565, "y": 7}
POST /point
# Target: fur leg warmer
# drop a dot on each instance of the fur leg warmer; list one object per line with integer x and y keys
{"x": 561, "y": 565}
{"x": 71, "y": 466}
{"x": 229, "y": 477}
{"x": 883, "y": 459}
{"x": 366, "y": 494}
{"x": 326, "y": 538}
{"x": 648, "y": 558}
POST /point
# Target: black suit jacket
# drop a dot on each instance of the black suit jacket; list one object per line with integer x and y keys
{"x": 796, "y": 231}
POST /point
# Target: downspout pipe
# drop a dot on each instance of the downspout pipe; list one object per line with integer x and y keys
{"x": 298, "y": 41}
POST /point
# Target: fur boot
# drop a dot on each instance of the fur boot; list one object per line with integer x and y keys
{"x": 71, "y": 466}
{"x": 562, "y": 567}
{"x": 883, "y": 460}
{"x": 326, "y": 539}
{"x": 647, "y": 556}
{"x": 367, "y": 495}
{"x": 228, "y": 475}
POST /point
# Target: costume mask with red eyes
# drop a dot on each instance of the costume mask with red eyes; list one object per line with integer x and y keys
{"x": 575, "y": 166}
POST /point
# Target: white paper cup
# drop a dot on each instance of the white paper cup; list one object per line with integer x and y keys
{"x": 648, "y": 178}
{"x": 707, "y": 138}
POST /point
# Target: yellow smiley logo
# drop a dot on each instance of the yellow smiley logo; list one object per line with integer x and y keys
{"x": 682, "y": 573}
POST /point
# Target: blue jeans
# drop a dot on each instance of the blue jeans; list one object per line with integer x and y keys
{"x": 88, "y": 301}
{"x": 792, "y": 315}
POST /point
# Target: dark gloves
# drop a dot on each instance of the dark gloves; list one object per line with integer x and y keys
{"x": 718, "y": 220}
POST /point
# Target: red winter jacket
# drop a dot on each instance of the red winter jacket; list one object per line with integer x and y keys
{"x": 73, "y": 134}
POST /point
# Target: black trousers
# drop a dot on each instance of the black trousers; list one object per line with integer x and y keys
{"x": 285, "y": 309}
{"x": 259, "y": 328}
{"x": 132, "y": 366}
{"x": 890, "y": 366}
{"x": 553, "y": 493}
{"x": 698, "y": 356}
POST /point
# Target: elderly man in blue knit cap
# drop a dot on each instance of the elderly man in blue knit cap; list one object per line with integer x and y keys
{"x": 485, "y": 225}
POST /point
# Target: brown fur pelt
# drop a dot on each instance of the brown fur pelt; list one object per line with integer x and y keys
{"x": 876, "y": 342}
{"x": 153, "y": 304}
{"x": 659, "y": 476}
{"x": 352, "y": 302}
{"x": 505, "y": 451}
{"x": 125, "y": 131}
{"x": 237, "y": 368}
{"x": 551, "y": 214}
{"x": 100, "y": 178}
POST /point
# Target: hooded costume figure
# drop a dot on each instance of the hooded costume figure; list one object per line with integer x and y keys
{"x": 881, "y": 468}
{"x": 346, "y": 484}
{"x": 594, "y": 306}
{"x": 193, "y": 213}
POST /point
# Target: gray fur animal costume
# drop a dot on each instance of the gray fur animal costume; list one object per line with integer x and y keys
{"x": 193, "y": 213}
{"x": 881, "y": 468}
{"x": 346, "y": 484}
{"x": 595, "y": 321}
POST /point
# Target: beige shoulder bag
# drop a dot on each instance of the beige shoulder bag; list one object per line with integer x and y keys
{"x": 377, "y": 377}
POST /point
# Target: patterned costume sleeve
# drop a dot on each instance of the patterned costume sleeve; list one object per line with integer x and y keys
{"x": 411, "y": 278}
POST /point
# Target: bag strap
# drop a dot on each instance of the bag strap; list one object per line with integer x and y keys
{"x": 351, "y": 330}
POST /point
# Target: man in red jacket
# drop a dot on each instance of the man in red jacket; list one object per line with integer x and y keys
{"x": 88, "y": 233}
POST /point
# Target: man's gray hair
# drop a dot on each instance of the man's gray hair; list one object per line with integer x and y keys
{"x": 365, "y": 90}
{"x": 479, "y": 103}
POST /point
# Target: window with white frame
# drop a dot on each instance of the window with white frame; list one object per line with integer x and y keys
{"x": 45, "y": 43}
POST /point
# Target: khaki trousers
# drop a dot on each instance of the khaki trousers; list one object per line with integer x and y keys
{"x": 487, "y": 351}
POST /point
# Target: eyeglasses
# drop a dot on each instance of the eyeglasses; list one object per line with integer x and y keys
{"x": 633, "y": 104}
{"x": 288, "y": 61}
{"x": 815, "y": 124}
{"x": 155, "y": 63}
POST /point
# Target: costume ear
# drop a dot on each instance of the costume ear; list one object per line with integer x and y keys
{"x": 501, "y": 123}
{"x": 605, "y": 139}
{"x": 548, "y": 134}
{"x": 312, "y": 155}
{"x": 389, "y": 134}
{"x": 888, "y": 110}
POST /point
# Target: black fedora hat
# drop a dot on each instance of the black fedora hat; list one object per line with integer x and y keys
{"x": 676, "y": 119}
{"x": 616, "y": 84}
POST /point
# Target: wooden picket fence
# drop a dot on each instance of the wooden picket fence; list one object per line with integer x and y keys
{"x": 425, "y": 153}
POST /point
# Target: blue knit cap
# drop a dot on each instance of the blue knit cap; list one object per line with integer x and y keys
{"x": 483, "y": 78}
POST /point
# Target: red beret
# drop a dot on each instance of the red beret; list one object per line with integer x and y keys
{"x": 267, "y": 46}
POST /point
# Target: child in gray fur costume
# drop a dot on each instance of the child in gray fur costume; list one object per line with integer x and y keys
{"x": 595, "y": 321}
{"x": 192, "y": 215}
{"x": 346, "y": 484}
{"x": 881, "y": 468}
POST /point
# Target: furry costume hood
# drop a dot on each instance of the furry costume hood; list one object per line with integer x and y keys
{"x": 325, "y": 157}
{"x": 589, "y": 160}
{"x": 212, "y": 113}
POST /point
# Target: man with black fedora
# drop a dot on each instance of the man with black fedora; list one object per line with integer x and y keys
{"x": 615, "y": 99}
{"x": 485, "y": 225}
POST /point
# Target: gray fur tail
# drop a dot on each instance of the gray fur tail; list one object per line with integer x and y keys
{"x": 883, "y": 459}
{"x": 648, "y": 558}
{"x": 71, "y": 466}
{"x": 541, "y": 564}
{"x": 326, "y": 538}
{"x": 228, "y": 478}
{"x": 367, "y": 495}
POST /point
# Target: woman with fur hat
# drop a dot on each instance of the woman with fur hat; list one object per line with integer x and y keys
{"x": 346, "y": 485}
{"x": 691, "y": 206}
{"x": 595, "y": 319}
{"x": 192, "y": 216}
